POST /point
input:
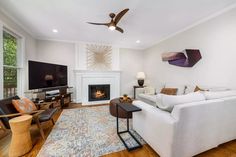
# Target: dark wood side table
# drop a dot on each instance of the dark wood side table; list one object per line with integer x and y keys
{"x": 135, "y": 87}
{"x": 129, "y": 109}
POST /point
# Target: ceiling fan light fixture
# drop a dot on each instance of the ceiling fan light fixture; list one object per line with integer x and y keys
{"x": 112, "y": 28}
{"x": 112, "y": 25}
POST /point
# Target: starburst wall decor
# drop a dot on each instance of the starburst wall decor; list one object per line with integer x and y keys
{"x": 99, "y": 57}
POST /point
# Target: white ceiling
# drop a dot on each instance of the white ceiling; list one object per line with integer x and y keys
{"x": 148, "y": 20}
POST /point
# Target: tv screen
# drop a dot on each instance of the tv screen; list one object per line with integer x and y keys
{"x": 46, "y": 75}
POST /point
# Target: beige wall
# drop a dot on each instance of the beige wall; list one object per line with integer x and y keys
{"x": 58, "y": 53}
{"x": 216, "y": 40}
{"x": 131, "y": 62}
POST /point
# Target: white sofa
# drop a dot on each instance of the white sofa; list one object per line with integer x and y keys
{"x": 189, "y": 129}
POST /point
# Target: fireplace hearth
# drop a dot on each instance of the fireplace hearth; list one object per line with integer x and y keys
{"x": 99, "y": 92}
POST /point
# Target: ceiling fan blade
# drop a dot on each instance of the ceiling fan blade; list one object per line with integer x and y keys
{"x": 120, "y": 15}
{"x": 105, "y": 24}
{"x": 119, "y": 29}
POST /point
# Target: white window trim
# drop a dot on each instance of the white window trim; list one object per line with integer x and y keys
{"x": 20, "y": 58}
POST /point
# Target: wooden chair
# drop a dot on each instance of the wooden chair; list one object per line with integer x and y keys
{"x": 8, "y": 111}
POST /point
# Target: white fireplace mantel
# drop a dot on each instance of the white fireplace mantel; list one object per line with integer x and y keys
{"x": 86, "y": 77}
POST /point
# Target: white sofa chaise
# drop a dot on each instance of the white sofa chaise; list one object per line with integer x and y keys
{"x": 189, "y": 129}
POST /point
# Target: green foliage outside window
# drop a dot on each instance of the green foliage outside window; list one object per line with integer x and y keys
{"x": 9, "y": 49}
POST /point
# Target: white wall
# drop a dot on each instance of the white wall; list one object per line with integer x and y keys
{"x": 58, "y": 53}
{"x": 30, "y": 47}
{"x": 131, "y": 62}
{"x": 216, "y": 40}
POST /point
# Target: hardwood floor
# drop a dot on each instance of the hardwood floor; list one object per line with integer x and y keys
{"x": 224, "y": 150}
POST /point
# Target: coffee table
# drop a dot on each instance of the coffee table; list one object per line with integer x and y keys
{"x": 129, "y": 109}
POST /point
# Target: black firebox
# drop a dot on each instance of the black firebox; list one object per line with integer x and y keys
{"x": 99, "y": 92}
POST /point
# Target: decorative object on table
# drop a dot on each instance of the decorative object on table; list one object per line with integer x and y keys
{"x": 125, "y": 98}
{"x": 187, "y": 58}
{"x": 128, "y": 109}
{"x": 21, "y": 139}
{"x": 73, "y": 137}
{"x": 99, "y": 57}
{"x": 140, "y": 76}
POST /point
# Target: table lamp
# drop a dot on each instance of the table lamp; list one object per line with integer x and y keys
{"x": 140, "y": 76}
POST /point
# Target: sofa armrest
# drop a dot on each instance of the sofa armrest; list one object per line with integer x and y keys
{"x": 153, "y": 125}
{"x": 201, "y": 126}
{"x": 19, "y": 114}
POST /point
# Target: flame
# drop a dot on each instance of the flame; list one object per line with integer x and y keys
{"x": 99, "y": 94}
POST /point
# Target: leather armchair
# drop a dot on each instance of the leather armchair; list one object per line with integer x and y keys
{"x": 8, "y": 111}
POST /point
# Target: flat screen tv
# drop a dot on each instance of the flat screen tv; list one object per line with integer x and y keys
{"x": 46, "y": 75}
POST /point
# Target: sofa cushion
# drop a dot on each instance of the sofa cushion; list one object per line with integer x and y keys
{"x": 149, "y": 90}
{"x": 167, "y": 102}
{"x": 218, "y": 89}
{"x": 181, "y": 88}
{"x": 149, "y": 99}
{"x": 220, "y": 94}
{"x": 47, "y": 114}
{"x": 169, "y": 91}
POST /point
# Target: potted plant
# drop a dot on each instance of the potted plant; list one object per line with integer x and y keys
{"x": 125, "y": 97}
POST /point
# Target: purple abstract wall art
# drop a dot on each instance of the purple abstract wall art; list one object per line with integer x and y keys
{"x": 187, "y": 58}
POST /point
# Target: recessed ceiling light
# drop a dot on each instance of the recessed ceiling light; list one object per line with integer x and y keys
{"x": 54, "y": 30}
{"x": 138, "y": 41}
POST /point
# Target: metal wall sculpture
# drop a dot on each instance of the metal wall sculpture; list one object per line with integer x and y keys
{"x": 187, "y": 58}
{"x": 99, "y": 57}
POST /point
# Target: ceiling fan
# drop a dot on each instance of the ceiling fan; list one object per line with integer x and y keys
{"x": 112, "y": 25}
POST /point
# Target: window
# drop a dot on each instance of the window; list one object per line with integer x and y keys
{"x": 9, "y": 65}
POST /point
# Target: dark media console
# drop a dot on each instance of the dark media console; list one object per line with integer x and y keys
{"x": 57, "y": 98}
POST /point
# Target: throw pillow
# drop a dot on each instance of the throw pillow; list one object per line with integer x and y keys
{"x": 169, "y": 91}
{"x": 24, "y": 105}
{"x": 189, "y": 89}
{"x": 149, "y": 90}
{"x": 167, "y": 102}
{"x": 199, "y": 89}
{"x": 181, "y": 88}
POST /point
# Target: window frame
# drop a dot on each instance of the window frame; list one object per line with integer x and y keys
{"x": 20, "y": 59}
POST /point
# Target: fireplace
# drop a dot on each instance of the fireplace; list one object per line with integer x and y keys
{"x": 99, "y": 92}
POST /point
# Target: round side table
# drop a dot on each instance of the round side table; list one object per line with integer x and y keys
{"x": 121, "y": 113}
{"x": 21, "y": 140}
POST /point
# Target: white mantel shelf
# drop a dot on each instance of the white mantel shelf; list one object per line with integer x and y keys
{"x": 87, "y": 77}
{"x": 97, "y": 71}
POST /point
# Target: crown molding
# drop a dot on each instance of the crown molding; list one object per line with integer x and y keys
{"x": 22, "y": 26}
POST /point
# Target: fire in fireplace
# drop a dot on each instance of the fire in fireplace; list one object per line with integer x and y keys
{"x": 99, "y": 92}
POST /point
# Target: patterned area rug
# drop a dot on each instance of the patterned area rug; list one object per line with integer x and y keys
{"x": 85, "y": 132}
